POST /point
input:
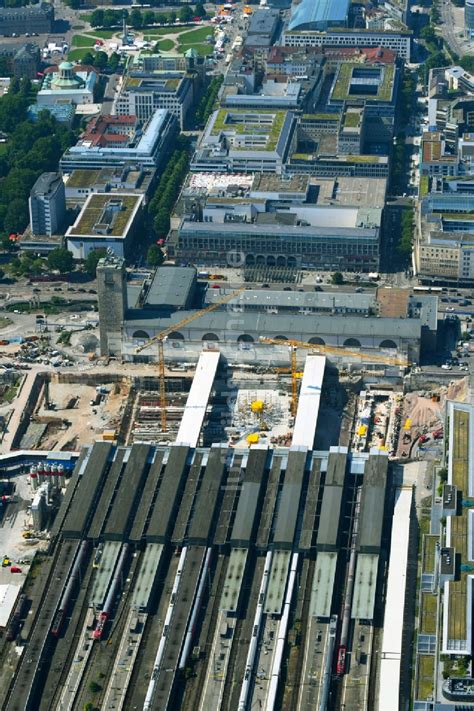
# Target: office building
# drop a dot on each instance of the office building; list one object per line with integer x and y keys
{"x": 469, "y": 16}
{"x": 47, "y": 204}
{"x": 105, "y": 221}
{"x": 398, "y": 42}
{"x": 145, "y": 92}
{"x": 246, "y": 141}
{"x": 82, "y": 182}
{"x": 115, "y": 141}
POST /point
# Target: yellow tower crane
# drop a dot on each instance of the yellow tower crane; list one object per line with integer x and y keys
{"x": 323, "y": 349}
{"x": 163, "y": 335}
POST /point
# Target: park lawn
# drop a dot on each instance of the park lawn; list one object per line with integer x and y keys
{"x": 82, "y": 41}
{"x": 169, "y": 30}
{"x": 165, "y": 45}
{"x": 198, "y": 35}
{"x": 77, "y": 54}
{"x": 105, "y": 34}
{"x": 85, "y": 16}
{"x": 202, "y": 49}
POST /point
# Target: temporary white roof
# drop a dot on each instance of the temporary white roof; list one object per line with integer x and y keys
{"x": 8, "y": 596}
{"x": 395, "y": 603}
{"x": 308, "y": 403}
{"x": 198, "y": 398}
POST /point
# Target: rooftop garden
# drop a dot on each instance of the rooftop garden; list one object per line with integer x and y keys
{"x": 229, "y": 121}
{"x": 341, "y": 90}
{"x": 82, "y": 178}
{"x": 93, "y": 214}
{"x": 352, "y": 119}
{"x": 321, "y": 117}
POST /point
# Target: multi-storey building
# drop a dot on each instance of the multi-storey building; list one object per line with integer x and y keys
{"x": 47, "y": 204}
{"x": 32, "y": 18}
{"x": 22, "y": 59}
{"x": 144, "y": 92}
{"x": 398, "y": 42}
{"x": 246, "y": 141}
{"x": 444, "y": 248}
{"x": 105, "y": 221}
{"x": 118, "y": 141}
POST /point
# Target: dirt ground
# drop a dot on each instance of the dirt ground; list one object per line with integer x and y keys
{"x": 72, "y": 404}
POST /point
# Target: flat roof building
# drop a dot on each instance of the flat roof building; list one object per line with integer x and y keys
{"x": 146, "y": 147}
{"x": 108, "y": 221}
{"x": 144, "y": 92}
{"x": 246, "y": 141}
{"x": 47, "y": 205}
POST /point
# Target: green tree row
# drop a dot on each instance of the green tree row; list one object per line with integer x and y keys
{"x": 207, "y": 102}
{"x": 101, "y": 61}
{"x": 406, "y": 234}
{"x": 167, "y": 192}
{"x": 138, "y": 18}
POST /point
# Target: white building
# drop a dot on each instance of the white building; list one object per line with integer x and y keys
{"x": 69, "y": 84}
{"x": 106, "y": 221}
{"x": 146, "y": 150}
{"x": 398, "y": 42}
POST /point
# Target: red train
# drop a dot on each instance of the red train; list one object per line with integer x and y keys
{"x": 341, "y": 660}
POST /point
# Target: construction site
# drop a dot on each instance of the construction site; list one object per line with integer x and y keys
{"x": 213, "y": 533}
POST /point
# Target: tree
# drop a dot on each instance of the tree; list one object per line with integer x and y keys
{"x": 100, "y": 61}
{"x": 337, "y": 278}
{"x": 172, "y": 17}
{"x": 114, "y": 61}
{"x": 200, "y": 10}
{"x": 60, "y": 260}
{"x": 161, "y": 223}
{"x": 94, "y": 687}
{"x": 92, "y": 259}
{"x": 185, "y": 14}
{"x": 154, "y": 256}
{"x": 136, "y": 19}
{"x": 161, "y": 18}
{"x": 97, "y": 18}
{"x": 25, "y": 86}
{"x": 14, "y": 87}
{"x": 17, "y": 216}
{"x": 149, "y": 18}
{"x": 88, "y": 59}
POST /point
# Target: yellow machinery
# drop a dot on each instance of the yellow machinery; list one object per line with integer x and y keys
{"x": 323, "y": 349}
{"x": 163, "y": 335}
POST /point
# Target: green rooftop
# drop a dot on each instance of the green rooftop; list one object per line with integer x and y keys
{"x": 352, "y": 119}
{"x": 93, "y": 214}
{"x": 241, "y": 122}
{"x": 82, "y": 178}
{"x": 341, "y": 90}
{"x": 321, "y": 117}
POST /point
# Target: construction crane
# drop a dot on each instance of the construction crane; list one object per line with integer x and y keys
{"x": 323, "y": 349}
{"x": 161, "y": 337}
